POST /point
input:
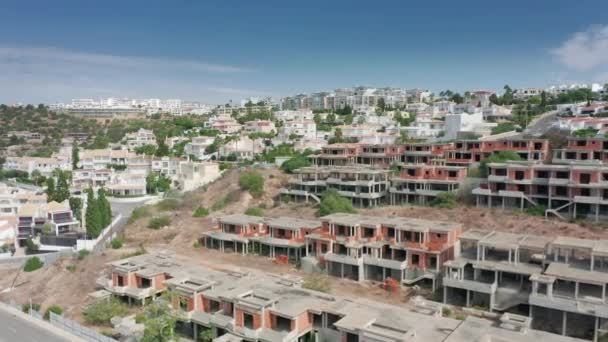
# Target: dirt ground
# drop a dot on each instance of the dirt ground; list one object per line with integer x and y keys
{"x": 69, "y": 289}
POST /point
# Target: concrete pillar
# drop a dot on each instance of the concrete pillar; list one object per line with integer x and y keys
{"x": 468, "y": 298}
{"x": 564, "y": 322}
{"x": 595, "y": 328}
{"x": 341, "y": 270}
{"x": 576, "y": 289}
{"x": 195, "y": 331}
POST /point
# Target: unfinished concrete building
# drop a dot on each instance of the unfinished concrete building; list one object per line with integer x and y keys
{"x": 573, "y": 191}
{"x": 364, "y": 186}
{"x": 423, "y": 153}
{"x": 336, "y": 155}
{"x": 421, "y": 183}
{"x": 559, "y": 282}
{"x": 280, "y": 238}
{"x": 375, "y": 248}
{"x": 239, "y": 306}
{"x": 582, "y": 150}
{"x": 466, "y": 152}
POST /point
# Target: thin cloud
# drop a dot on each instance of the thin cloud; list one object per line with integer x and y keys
{"x": 584, "y": 51}
{"x": 23, "y": 56}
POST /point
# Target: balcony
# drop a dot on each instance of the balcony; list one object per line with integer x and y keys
{"x": 472, "y": 285}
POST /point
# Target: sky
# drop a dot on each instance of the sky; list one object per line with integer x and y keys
{"x": 216, "y": 51}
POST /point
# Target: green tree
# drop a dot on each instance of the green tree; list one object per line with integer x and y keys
{"x": 151, "y": 183}
{"x": 381, "y": 106}
{"x": 76, "y": 207}
{"x": 162, "y": 150}
{"x": 159, "y": 324}
{"x": 94, "y": 220}
{"x": 62, "y": 192}
{"x": 294, "y": 163}
{"x": 50, "y": 189}
{"x": 148, "y": 150}
{"x": 75, "y": 156}
{"x": 104, "y": 208}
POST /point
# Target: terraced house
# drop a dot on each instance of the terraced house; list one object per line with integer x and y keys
{"x": 466, "y": 152}
{"x": 363, "y": 185}
{"x": 565, "y": 190}
{"x": 280, "y": 238}
{"x": 260, "y": 307}
{"x": 582, "y": 151}
{"x": 559, "y": 281}
{"x": 421, "y": 183}
{"x": 375, "y": 248}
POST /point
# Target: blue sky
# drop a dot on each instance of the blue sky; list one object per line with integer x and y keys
{"x": 219, "y": 50}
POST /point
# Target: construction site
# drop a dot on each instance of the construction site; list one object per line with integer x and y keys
{"x": 69, "y": 281}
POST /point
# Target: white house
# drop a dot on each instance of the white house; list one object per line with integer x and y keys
{"x": 306, "y": 129}
{"x": 260, "y": 126}
{"x": 140, "y": 138}
{"x": 424, "y": 127}
{"x": 193, "y": 175}
{"x": 101, "y": 158}
{"x": 458, "y": 124}
{"x": 197, "y": 146}
{"x": 45, "y": 166}
{"x": 244, "y": 148}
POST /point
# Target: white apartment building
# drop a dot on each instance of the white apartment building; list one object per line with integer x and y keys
{"x": 45, "y": 166}
{"x": 225, "y": 124}
{"x": 198, "y": 145}
{"x": 522, "y": 93}
{"x": 260, "y": 126}
{"x": 172, "y": 106}
{"x": 166, "y": 166}
{"x": 100, "y": 159}
{"x": 496, "y": 113}
{"x": 140, "y": 138}
{"x": 244, "y": 148}
{"x": 192, "y": 175}
{"x": 11, "y": 198}
{"x": 306, "y": 129}
{"x": 425, "y": 127}
{"x": 576, "y": 123}
{"x": 294, "y": 115}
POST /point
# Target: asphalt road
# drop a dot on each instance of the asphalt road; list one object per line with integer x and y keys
{"x": 542, "y": 124}
{"x": 14, "y": 328}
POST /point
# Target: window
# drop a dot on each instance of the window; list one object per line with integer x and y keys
{"x": 415, "y": 259}
{"x": 145, "y": 283}
{"x": 248, "y": 320}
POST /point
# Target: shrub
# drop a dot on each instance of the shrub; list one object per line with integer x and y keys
{"x": 116, "y": 243}
{"x": 254, "y": 211}
{"x": 317, "y": 283}
{"x": 252, "y": 181}
{"x": 83, "y": 254}
{"x": 221, "y": 203}
{"x": 30, "y": 246}
{"x": 33, "y": 264}
{"x": 139, "y": 213}
{"x": 200, "y": 212}
{"x": 26, "y": 307}
{"x": 538, "y": 210}
{"x": 71, "y": 268}
{"x": 294, "y": 163}
{"x": 54, "y": 309}
{"x": 446, "y": 200}
{"x": 159, "y": 222}
{"x": 169, "y": 204}
{"x": 446, "y": 312}
{"x": 332, "y": 203}
{"x": 499, "y": 157}
{"x": 102, "y": 311}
